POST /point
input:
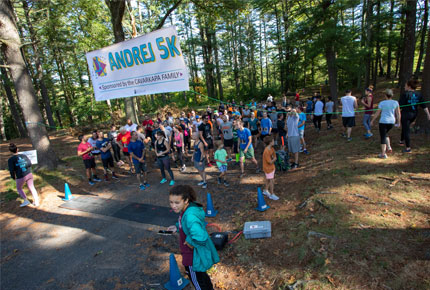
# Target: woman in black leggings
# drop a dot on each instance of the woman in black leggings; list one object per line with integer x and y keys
{"x": 409, "y": 102}
{"x": 162, "y": 150}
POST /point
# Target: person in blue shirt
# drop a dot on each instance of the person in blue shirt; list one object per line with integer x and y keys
{"x": 309, "y": 106}
{"x": 136, "y": 148}
{"x": 265, "y": 126}
{"x": 104, "y": 145}
{"x": 245, "y": 147}
{"x": 301, "y": 127}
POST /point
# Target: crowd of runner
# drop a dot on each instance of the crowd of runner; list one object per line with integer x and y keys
{"x": 230, "y": 134}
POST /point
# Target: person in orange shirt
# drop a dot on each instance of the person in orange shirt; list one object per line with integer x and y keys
{"x": 269, "y": 158}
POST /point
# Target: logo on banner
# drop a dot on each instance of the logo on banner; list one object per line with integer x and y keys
{"x": 99, "y": 66}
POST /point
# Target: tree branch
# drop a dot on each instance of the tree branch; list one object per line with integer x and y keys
{"x": 167, "y": 15}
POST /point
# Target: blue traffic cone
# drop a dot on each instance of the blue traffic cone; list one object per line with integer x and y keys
{"x": 262, "y": 206}
{"x": 67, "y": 193}
{"x": 210, "y": 210}
{"x": 176, "y": 282}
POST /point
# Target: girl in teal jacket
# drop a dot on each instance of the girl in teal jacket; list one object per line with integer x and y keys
{"x": 197, "y": 250}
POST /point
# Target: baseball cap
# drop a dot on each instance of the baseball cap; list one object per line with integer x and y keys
{"x": 197, "y": 117}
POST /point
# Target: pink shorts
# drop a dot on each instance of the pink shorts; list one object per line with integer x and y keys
{"x": 270, "y": 175}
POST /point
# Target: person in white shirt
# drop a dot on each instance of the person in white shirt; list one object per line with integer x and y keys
{"x": 318, "y": 113}
{"x": 390, "y": 115}
{"x": 329, "y": 112}
{"x": 92, "y": 140}
{"x": 349, "y": 104}
{"x": 130, "y": 127}
{"x": 269, "y": 98}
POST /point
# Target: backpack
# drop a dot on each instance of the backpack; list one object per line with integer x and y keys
{"x": 282, "y": 162}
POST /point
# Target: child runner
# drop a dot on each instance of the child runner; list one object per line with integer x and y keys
{"x": 367, "y": 101}
{"x": 246, "y": 151}
{"x": 253, "y": 126}
{"x": 293, "y": 136}
{"x": 123, "y": 139}
{"x": 197, "y": 249}
{"x": 329, "y": 111}
{"x": 199, "y": 159}
{"x": 179, "y": 145}
{"x": 92, "y": 140}
{"x": 273, "y": 115}
{"x": 265, "y": 126}
{"x": 269, "y": 158}
{"x": 302, "y": 124}
{"x": 349, "y": 104}
{"x": 162, "y": 150}
{"x": 84, "y": 150}
{"x": 104, "y": 146}
{"x": 220, "y": 158}
{"x": 137, "y": 151}
{"x": 282, "y": 126}
{"x": 409, "y": 102}
{"x": 20, "y": 170}
{"x": 390, "y": 112}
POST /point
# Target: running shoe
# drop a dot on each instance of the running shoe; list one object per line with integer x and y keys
{"x": 25, "y": 203}
{"x": 382, "y": 156}
{"x": 273, "y": 197}
{"x": 205, "y": 185}
{"x": 349, "y": 139}
{"x": 97, "y": 179}
{"x": 226, "y": 184}
{"x": 142, "y": 187}
{"x": 183, "y": 168}
{"x": 407, "y": 150}
{"x": 146, "y": 184}
{"x": 201, "y": 183}
{"x": 266, "y": 193}
{"x": 294, "y": 166}
{"x": 343, "y": 135}
{"x": 164, "y": 180}
{"x": 257, "y": 170}
{"x": 242, "y": 175}
{"x": 114, "y": 176}
{"x": 401, "y": 143}
{"x": 305, "y": 151}
{"x": 210, "y": 165}
{"x": 90, "y": 182}
{"x": 172, "y": 182}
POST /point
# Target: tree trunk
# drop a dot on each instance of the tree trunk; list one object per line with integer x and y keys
{"x": 330, "y": 54}
{"x": 423, "y": 37}
{"x": 38, "y": 64}
{"x": 218, "y": 72}
{"x": 2, "y": 130}
{"x": 280, "y": 52}
{"x": 12, "y": 104}
{"x": 369, "y": 20}
{"x": 408, "y": 44}
{"x": 261, "y": 56}
{"x": 390, "y": 41}
{"x": 116, "y": 9}
{"x": 23, "y": 86}
{"x": 422, "y": 124}
{"x": 378, "y": 46}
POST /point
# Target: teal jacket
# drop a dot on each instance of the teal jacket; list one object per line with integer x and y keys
{"x": 194, "y": 227}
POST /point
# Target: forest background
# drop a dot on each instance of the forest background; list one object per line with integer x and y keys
{"x": 235, "y": 49}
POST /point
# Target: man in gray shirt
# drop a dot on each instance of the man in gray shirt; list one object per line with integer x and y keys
{"x": 293, "y": 136}
{"x": 227, "y": 132}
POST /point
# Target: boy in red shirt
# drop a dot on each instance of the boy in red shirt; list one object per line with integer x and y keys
{"x": 123, "y": 140}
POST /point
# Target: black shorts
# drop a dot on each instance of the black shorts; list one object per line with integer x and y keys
{"x": 228, "y": 143}
{"x": 108, "y": 162}
{"x": 139, "y": 166}
{"x": 254, "y": 132}
{"x": 126, "y": 153}
{"x": 95, "y": 154}
{"x": 274, "y": 130}
{"x": 210, "y": 145}
{"x": 348, "y": 122}
{"x": 89, "y": 163}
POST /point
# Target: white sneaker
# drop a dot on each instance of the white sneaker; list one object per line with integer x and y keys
{"x": 274, "y": 197}
{"x": 201, "y": 183}
{"x": 266, "y": 193}
{"x": 25, "y": 203}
